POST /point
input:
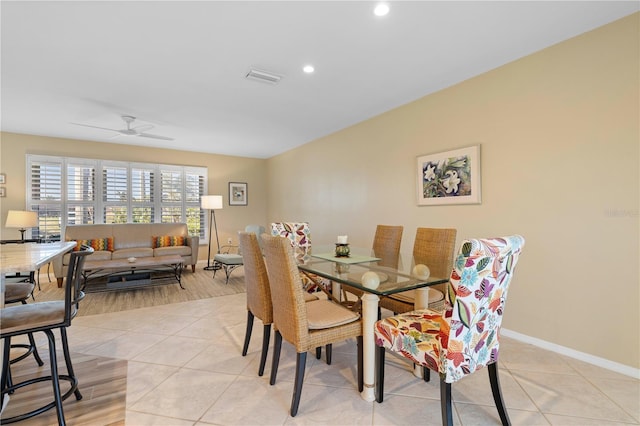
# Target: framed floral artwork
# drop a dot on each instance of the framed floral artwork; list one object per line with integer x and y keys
{"x": 451, "y": 177}
{"x": 238, "y": 194}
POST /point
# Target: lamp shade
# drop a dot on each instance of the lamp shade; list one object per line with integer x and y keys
{"x": 211, "y": 202}
{"x": 21, "y": 219}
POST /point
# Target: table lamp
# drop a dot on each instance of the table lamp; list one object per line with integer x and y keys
{"x": 213, "y": 203}
{"x": 22, "y": 220}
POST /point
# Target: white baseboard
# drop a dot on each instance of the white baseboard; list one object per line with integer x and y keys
{"x": 582, "y": 356}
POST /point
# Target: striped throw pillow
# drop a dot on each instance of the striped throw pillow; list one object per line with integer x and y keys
{"x": 166, "y": 241}
{"x": 98, "y": 244}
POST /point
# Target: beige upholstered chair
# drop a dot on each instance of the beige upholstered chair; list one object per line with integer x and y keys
{"x": 435, "y": 248}
{"x": 258, "y": 293}
{"x": 46, "y": 317}
{"x": 304, "y": 325}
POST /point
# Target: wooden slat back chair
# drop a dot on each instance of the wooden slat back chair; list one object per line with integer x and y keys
{"x": 46, "y": 317}
{"x": 435, "y": 248}
{"x": 305, "y": 325}
{"x": 386, "y": 246}
{"x": 464, "y": 337}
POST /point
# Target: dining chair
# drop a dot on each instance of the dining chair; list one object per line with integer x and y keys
{"x": 299, "y": 236}
{"x": 46, "y": 317}
{"x": 435, "y": 248}
{"x": 230, "y": 256}
{"x": 386, "y": 246}
{"x": 258, "y": 293}
{"x": 305, "y": 325}
{"x": 466, "y": 335}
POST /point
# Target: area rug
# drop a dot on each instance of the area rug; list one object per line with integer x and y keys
{"x": 197, "y": 285}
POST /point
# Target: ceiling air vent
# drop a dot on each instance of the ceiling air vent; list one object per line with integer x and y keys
{"x": 263, "y": 76}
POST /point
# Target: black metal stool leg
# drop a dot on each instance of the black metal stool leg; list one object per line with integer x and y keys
{"x": 67, "y": 360}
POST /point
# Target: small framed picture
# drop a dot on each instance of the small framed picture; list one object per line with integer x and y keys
{"x": 3, "y": 178}
{"x": 238, "y": 194}
{"x": 3, "y": 191}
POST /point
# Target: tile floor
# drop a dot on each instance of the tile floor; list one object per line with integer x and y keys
{"x": 185, "y": 368}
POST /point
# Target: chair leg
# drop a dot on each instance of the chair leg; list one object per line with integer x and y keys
{"x": 318, "y": 352}
{"x": 426, "y": 374}
{"x": 379, "y": 373}
{"x": 36, "y": 355}
{"x": 277, "y": 345}
{"x": 445, "y": 403}
{"x": 55, "y": 380}
{"x": 301, "y": 361}
{"x": 247, "y": 333}
{"x": 266, "y": 335}
{"x": 67, "y": 360}
{"x": 494, "y": 379}
{"x": 360, "y": 364}
{"x": 4, "y": 378}
{"x": 329, "y": 350}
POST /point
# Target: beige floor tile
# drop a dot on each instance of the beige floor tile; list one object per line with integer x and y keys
{"x": 144, "y": 419}
{"x": 174, "y": 350}
{"x": 186, "y": 395}
{"x": 472, "y": 414}
{"x": 143, "y": 377}
{"x": 250, "y": 400}
{"x": 222, "y": 357}
{"x": 569, "y": 395}
{"x": 406, "y": 410}
{"x": 127, "y": 346}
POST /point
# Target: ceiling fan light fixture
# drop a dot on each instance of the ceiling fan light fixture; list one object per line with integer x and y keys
{"x": 263, "y": 76}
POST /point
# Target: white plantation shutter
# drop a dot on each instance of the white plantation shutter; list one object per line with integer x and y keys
{"x": 80, "y": 194}
{"x": 115, "y": 194}
{"x": 71, "y": 191}
{"x": 44, "y": 195}
{"x": 142, "y": 194}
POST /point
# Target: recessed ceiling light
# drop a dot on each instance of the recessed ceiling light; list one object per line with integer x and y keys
{"x": 381, "y": 10}
{"x": 308, "y": 69}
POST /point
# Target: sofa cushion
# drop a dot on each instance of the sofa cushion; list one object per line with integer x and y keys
{"x": 168, "y": 251}
{"x": 167, "y": 241}
{"x": 97, "y": 244}
{"x": 133, "y": 252}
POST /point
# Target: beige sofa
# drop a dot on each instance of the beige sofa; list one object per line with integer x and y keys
{"x": 130, "y": 240}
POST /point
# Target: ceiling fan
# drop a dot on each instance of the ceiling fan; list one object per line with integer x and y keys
{"x": 131, "y": 131}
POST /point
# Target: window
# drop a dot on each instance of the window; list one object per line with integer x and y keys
{"x": 73, "y": 191}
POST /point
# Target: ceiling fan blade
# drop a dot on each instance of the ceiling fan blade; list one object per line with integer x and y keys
{"x": 149, "y": 135}
{"x": 143, "y": 128}
{"x": 97, "y": 127}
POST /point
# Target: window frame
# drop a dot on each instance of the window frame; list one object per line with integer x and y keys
{"x": 100, "y": 205}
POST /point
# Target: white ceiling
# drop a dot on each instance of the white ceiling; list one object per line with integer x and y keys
{"x": 181, "y": 65}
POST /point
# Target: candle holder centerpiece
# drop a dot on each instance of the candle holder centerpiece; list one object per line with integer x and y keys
{"x": 342, "y": 250}
{"x": 342, "y": 247}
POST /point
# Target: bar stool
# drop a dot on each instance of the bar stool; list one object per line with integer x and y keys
{"x": 20, "y": 292}
{"x": 46, "y": 317}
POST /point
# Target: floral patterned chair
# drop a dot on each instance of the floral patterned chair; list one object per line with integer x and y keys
{"x": 299, "y": 234}
{"x": 465, "y": 337}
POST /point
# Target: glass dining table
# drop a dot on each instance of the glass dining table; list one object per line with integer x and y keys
{"x": 396, "y": 276}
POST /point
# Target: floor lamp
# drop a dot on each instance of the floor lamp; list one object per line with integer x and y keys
{"x": 212, "y": 203}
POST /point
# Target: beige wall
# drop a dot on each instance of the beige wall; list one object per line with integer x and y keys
{"x": 559, "y": 135}
{"x": 221, "y": 169}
